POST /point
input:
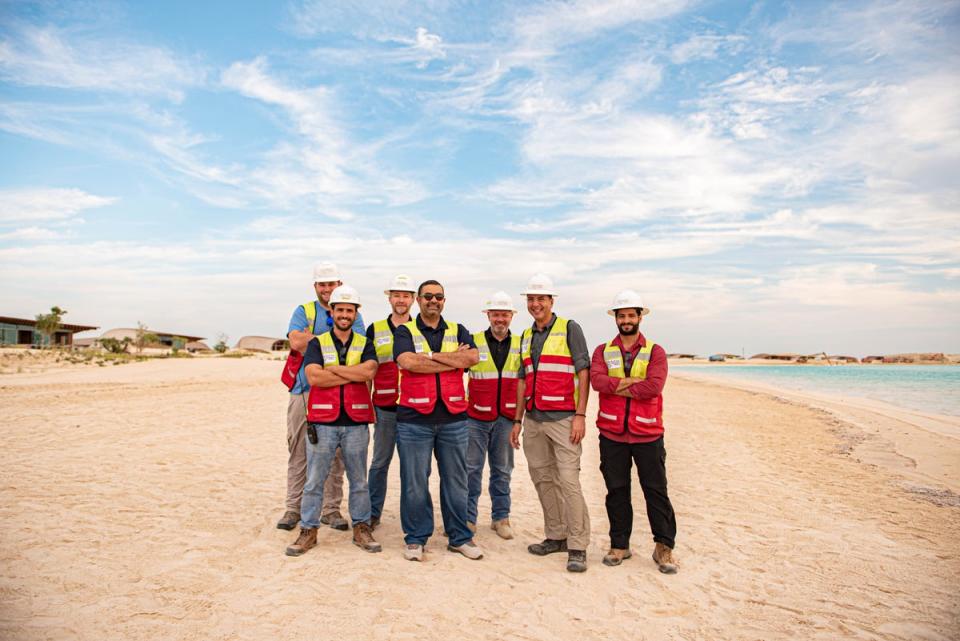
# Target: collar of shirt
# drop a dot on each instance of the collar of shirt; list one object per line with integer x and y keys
{"x": 493, "y": 339}
{"x": 553, "y": 319}
{"x": 423, "y": 327}
{"x": 640, "y": 342}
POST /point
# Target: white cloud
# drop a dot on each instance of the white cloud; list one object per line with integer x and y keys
{"x": 18, "y": 205}
{"x": 705, "y": 47}
{"x": 53, "y": 57}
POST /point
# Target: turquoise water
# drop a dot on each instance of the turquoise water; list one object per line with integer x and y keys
{"x": 927, "y": 388}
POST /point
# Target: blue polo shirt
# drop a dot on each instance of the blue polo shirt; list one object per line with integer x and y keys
{"x": 323, "y": 321}
{"x": 403, "y": 342}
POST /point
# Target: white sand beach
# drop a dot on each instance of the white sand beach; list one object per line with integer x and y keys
{"x": 139, "y": 502}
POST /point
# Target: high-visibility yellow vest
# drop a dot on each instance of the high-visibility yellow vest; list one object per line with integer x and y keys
{"x": 551, "y": 385}
{"x": 420, "y": 391}
{"x": 492, "y": 392}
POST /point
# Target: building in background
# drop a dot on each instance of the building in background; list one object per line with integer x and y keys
{"x": 23, "y": 331}
{"x": 263, "y": 344}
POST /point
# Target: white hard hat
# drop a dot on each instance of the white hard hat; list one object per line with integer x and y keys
{"x": 627, "y": 298}
{"x": 345, "y": 294}
{"x": 325, "y": 273}
{"x": 499, "y": 301}
{"x": 540, "y": 284}
{"x": 400, "y": 283}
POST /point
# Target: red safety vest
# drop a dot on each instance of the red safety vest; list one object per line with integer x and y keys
{"x": 386, "y": 384}
{"x": 619, "y": 414}
{"x": 493, "y": 393}
{"x": 295, "y": 359}
{"x": 551, "y": 386}
{"x": 323, "y": 404}
{"x": 419, "y": 391}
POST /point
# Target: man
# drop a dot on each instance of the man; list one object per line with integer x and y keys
{"x": 556, "y": 387}
{"x": 339, "y": 363}
{"x": 431, "y": 418}
{"x": 493, "y": 406}
{"x": 630, "y": 421}
{"x": 385, "y": 390}
{"x": 308, "y": 321}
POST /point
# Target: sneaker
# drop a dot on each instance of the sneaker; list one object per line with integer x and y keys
{"x": 663, "y": 557}
{"x": 469, "y": 549}
{"x": 616, "y": 556}
{"x": 472, "y": 527}
{"x": 577, "y": 561}
{"x": 413, "y": 552}
{"x": 363, "y": 538}
{"x": 374, "y": 522}
{"x": 336, "y": 521}
{"x": 289, "y": 520}
{"x": 306, "y": 540}
{"x": 547, "y": 546}
{"x": 502, "y": 528}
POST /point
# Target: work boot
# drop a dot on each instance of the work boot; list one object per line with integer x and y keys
{"x": 547, "y": 546}
{"x": 663, "y": 557}
{"x": 363, "y": 538}
{"x": 502, "y": 528}
{"x": 289, "y": 520}
{"x": 306, "y": 540}
{"x": 469, "y": 549}
{"x": 374, "y": 522}
{"x": 616, "y": 556}
{"x": 413, "y": 552}
{"x": 336, "y": 521}
{"x": 577, "y": 561}
{"x": 472, "y": 527}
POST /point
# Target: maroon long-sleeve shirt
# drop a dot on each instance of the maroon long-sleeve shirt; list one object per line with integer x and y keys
{"x": 646, "y": 389}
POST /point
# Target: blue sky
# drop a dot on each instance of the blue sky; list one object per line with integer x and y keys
{"x": 771, "y": 176}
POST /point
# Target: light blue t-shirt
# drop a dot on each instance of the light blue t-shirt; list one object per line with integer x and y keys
{"x": 322, "y": 323}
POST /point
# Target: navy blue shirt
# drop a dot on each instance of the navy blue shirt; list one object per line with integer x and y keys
{"x": 314, "y": 356}
{"x": 402, "y": 343}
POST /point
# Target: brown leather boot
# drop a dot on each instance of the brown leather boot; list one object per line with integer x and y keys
{"x": 306, "y": 540}
{"x": 663, "y": 557}
{"x": 363, "y": 538}
{"x": 616, "y": 556}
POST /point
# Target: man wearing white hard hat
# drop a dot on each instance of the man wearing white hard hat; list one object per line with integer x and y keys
{"x": 339, "y": 364}
{"x": 556, "y": 388}
{"x": 386, "y": 388}
{"x": 629, "y": 373}
{"x": 492, "y": 393}
{"x": 309, "y": 321}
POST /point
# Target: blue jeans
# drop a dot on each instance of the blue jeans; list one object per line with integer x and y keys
{"x": 384, "y": 442}
{"x": 489, "y": 438}
{"x": 416, "y": 443}
{"x": 352, "y": 441}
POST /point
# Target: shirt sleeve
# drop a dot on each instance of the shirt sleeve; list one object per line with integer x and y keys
{"x": 358, "y": 325}
{"x": 313, "y": 356}
{"x": 652, "y": 386}
{"x": 599, "y": 379}
{"x": 402, "y": 342}
{"x": 464, "y": 336}
{"x": 298, "y": 322}
{"x": 578, "y": 346}
{"x": 369, "y": 351}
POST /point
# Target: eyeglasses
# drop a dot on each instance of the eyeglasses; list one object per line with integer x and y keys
{"x": 429, "y": 297}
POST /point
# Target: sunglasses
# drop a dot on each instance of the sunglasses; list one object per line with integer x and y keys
{"x": 429, "y": 297}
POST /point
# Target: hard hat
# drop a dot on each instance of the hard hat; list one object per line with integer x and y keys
{"x": 345, "y": 294}
{"x": 540, "y": 284}
{"x": 325, "y": 273}
{"x": 400, "y": 283}
{"x": 627, "y": 298}
{"x": 499, "y": 301}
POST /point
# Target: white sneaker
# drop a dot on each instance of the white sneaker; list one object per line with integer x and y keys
{"x": 469, "y": 549}
{"x": 413, "y": 552}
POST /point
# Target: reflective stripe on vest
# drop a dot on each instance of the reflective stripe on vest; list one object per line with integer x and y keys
{"x": 552, "y": 385}
{"x": 383, "y": 341}
{"x": 487, "y": 384}
{"x": 421, "y": 391}
{"x": 324, "y": 402}
{"x": 645, "y": 417}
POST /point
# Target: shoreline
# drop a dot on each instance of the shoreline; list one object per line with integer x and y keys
{"x": 904, "y": 441}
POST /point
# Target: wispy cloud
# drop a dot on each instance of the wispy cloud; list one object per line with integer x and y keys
{"x": 32, "y": 205}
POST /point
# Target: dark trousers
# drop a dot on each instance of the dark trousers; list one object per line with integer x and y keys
{"x": 615, "y": 461}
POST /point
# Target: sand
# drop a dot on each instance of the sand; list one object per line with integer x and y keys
{"x": 139, "y": 502}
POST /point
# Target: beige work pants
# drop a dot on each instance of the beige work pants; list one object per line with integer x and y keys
{"x": 554, "y": 464}
{"x": 297, "y": 461}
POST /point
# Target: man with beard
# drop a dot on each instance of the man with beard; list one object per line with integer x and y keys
{"x": 386, "y": 390}
{"x": 339, "y": 364}
{"x": 309, "y": 321}
{"x": 493, "y": 406}
{"x": 629, "y": 373}
{"x": 556, "y": 386}
{"x": 431, "y": 418}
